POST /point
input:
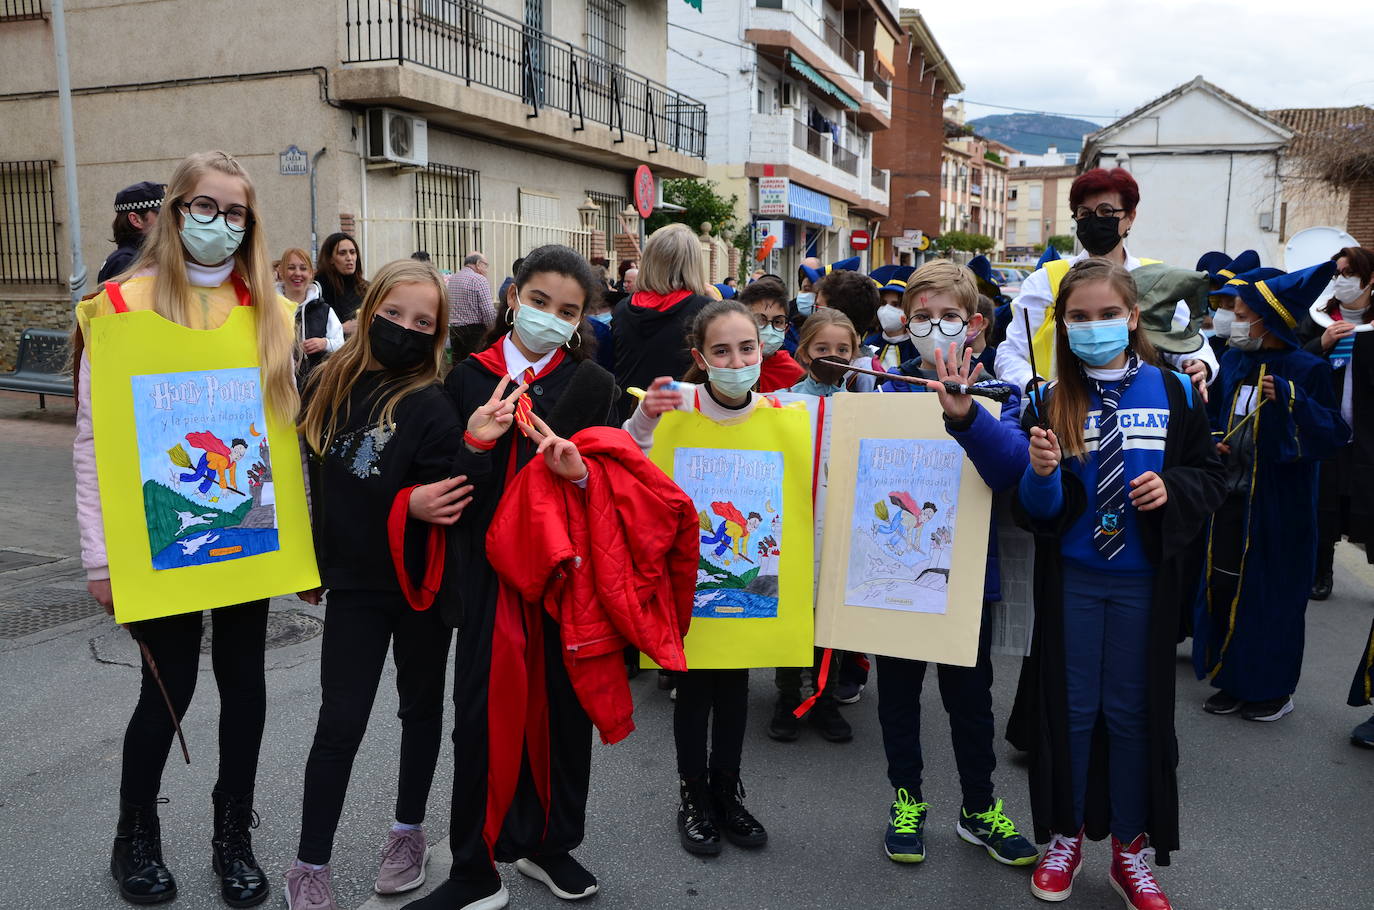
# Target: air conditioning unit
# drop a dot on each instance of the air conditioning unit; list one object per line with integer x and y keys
{"x": 397, "y": 137}
{"x": 791, "y": 95}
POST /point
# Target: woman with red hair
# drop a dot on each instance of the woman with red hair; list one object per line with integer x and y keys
{"x": 1103, "y": 203}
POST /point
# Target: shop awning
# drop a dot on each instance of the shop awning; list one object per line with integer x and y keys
{"x": 808, "y": 205}
{"x": 812, "y": 75}
{"x": 695, "y": 4}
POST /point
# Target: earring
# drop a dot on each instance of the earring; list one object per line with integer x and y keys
{"x": 510, "y": 316}
{"x": 577, "y": 336}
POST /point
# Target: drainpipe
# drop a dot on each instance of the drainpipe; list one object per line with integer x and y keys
{"x": 314, "y": 233}
{"x": 77, "y": 279}
{"x": 362, "y": 177}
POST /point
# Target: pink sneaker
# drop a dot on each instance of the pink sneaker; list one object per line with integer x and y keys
{"x": 403, "y": 861}
{"x": 309, "y": 889}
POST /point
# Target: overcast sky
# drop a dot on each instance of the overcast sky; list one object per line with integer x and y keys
{"x": 1104, "y": 58}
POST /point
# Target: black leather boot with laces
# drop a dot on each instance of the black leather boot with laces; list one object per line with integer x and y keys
{"x": 136, "y": 861}
{"x": 694, "y": 826}
{"x": 738, "y": 825}
{"x": 242, "y": 881}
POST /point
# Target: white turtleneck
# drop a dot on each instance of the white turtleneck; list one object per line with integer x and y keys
{"x": 208, "y": 276}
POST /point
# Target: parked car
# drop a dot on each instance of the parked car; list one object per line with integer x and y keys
{"x": 1009, "y": 279}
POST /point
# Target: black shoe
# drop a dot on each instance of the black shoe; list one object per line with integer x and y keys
{"x": 1222, "y": 703}
{"x": 784, "y": 726}
{"x": 242, "y": 881}
{"x": 464, "y": 894}
{"x": 727, "y": 800}
{"x": 1270, "y": 710}
{"x": 829, "y": 723}
{"x": 136, "y": 860}
{"x": 1321, "y": 588}
{"x": 695, "y": 828}
{"x": 563, "y": 875}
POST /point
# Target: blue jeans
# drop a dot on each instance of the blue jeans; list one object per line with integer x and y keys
{"x": 1106, "y": 630}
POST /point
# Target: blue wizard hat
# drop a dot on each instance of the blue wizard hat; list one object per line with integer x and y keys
{"x": 1282, "y": 301}
{"x": 1231, "y": 287}
{"x": 727, "y": 292}
{"x": 1212, "y": 261}
{"x": 892, "y": 277}
{"x": 980, "y": 266}
{"x": 1050, "y": 255}
{"x": 844, "y": 265}
{"x": 1223, "y": 269}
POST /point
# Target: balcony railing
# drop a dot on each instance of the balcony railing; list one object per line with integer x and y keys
{"x": 463, "y": 39}
{"x": 15, "y": 10}
{"x": 880, "y": 177}
{"x": 835, "y": 39}
{"x": 846, "y": 161}
{"x": 811, "y": 141}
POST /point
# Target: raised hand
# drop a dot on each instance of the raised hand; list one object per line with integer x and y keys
{"x": 961, "y": 371}
{"x": 560, "y": 455}
{"x": 663, "y": 396}
{"x": 1044, "y": 451}
{"x": 441, "y": 502}
{"x": 490, "y": 422}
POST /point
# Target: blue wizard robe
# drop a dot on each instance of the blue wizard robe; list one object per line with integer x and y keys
{"x": 1252, "y": 646}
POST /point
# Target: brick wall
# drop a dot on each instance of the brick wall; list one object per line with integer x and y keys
{"x": 29, "y": 310}
{"x": 911, "y": 148}
{"x": 1360, "y": 221}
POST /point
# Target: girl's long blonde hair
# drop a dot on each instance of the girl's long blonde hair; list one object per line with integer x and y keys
{"x": 164, "y": 256}
{"x": 327, "y": 405}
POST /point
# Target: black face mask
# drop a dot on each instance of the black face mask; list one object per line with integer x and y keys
{"x": 396, "y": 347}
{"x": 1099, "y": 235}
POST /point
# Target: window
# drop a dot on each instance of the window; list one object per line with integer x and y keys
{"x": 16, "y": 10}
{"x": 608, "y": 219}
{"x": 448, "y": 209}
{"x": 462, "y": 16}
{"x": 1011, "y": 232}
{"x": 606, "y": 31}
{"x": 1033, "y": 202}
{"x": 539, "y": 220}
{"x": 1032, "y": 231}
{"x": 28, "y": 226}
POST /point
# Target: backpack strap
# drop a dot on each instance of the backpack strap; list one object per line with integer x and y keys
{"x": 1187, "y": 385}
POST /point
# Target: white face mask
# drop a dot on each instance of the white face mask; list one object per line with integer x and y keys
{"x": 937, "y": 336}
{"x": 1347, "y": 288}
{"x": 890, "y": 318}
{"x": 1222, "y": 321}
{"x": 1240, "y": 337}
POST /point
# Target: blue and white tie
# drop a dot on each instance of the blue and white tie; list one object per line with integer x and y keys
{"x": 1109, "y": 536}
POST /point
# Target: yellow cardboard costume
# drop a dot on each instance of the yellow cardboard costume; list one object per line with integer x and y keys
{"x": 176, "y": 412}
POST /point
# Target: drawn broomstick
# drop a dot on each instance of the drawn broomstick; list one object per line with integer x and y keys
{"x": 166, "y": 699}
{"x": 835, "y": 367}
{"x": 182, "y": 460}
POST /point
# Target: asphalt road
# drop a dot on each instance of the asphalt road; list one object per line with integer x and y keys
{"x": 1274, "y": 815}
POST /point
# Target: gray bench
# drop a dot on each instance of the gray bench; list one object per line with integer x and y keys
{"x": 42, "y": 367}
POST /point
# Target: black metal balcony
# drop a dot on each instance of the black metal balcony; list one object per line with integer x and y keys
{"x": 465, "y": 40}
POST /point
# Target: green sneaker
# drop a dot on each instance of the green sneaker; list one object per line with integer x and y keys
{"x": 905, "y": 841}
{"x": 997, "y": 834}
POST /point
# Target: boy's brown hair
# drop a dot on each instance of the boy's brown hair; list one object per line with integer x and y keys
{"x": 942, "y": 277}
{"x": 852, "y": 293}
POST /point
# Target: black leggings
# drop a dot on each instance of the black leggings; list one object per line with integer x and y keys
{"x": 357, "y": 627}
{"x": 236, "y": 654}
{"x": 718, "y": 699}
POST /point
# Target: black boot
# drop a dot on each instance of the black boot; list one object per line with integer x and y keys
{"x": 694, "y": 826}
{"x": 784, "y": 726}
{"x": 1321, "y": 588}
{"x": 242, "y": 881}
{"x": 829, "y": 723}
{"x": 727, "y": 799}
{"x": 136, "y": 861}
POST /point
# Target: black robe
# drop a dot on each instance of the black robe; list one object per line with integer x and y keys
{"x": 572, "y": 397}
{"x": 1194, "y": 479}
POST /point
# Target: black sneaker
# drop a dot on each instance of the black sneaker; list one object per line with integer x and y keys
{"x": 464, "y": 894}
{"x": 848, "y": 692}
{"x": 784, "y": 726}
{"x": 904, "y": 841}
{"x": 563, "y": 875}
{"x": 829, "y": 723}
{"x": 1222, "y": 703}
{"x": 1363, "y": 735}
{"x": 1321, "y": 588}
{"x": 1267, "y": 711}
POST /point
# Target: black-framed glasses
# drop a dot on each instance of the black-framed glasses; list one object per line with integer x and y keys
{"x": 921, "y": 325}
{"x": 1105, "y": 210}
{"x": 205, "y": 210}
{"x": 777, "y": 322}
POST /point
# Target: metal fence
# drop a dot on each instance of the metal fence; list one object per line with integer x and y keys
{"x": 608, "y": 218}
{"x": 28, "y": 224}
{"x": 444, "y": 194}
{"x": 845, "y": 160}
{"x": 503, "y": 239}
{"x": 470, "y": 42}
{"x": 15, "y": 10}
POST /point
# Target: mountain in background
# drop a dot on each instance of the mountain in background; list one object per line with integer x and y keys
{"x": 1035, "y": 133}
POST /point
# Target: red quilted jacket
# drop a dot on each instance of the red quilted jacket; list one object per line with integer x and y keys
{"x": 614, "y": 564}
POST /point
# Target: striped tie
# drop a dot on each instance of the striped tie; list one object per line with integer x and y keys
{"x": 523, "y": 407}
{"x": 1109, "y": 536}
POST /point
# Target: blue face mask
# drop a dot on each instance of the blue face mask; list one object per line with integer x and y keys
{"x": 806, "y": 302}
{"x": 603, "y": 318}
{"x": 210, "y": 244}
{"x": 733, "y": 383}
{"x": 1098, "y": 343}
{"x": 540, "y": 331}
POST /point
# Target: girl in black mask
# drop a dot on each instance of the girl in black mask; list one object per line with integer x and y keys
{"x": 382, "y": 437}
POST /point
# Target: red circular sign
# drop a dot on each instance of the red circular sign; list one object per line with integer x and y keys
{"x": 644, "y": 191}
{"x": 858, "y": 240}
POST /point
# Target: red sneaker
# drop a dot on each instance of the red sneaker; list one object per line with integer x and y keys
{"x": 1058, "y": 866}
{"x": 1132, "y": 877}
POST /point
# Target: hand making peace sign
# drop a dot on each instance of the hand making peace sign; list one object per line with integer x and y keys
{"x": 490, "y": 422}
